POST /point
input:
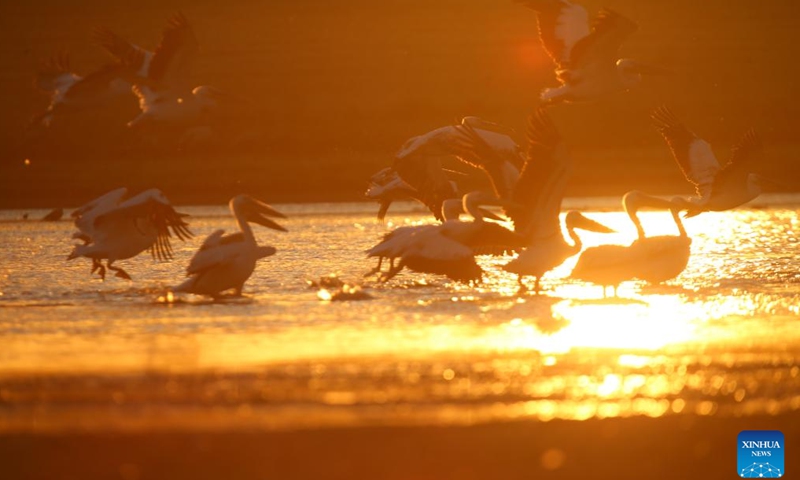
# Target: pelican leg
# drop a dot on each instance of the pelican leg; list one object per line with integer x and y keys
{"x": 120, "y": 273}
{"x": 604, "y": 291}
{"x": 376, "y": 269}
{"x": 391, "y": 273}
{"x": 237, "y": 292}
{"x": 97, "y": 266}
{"x": 614, "y": 290}
{"x": 522, "y": 287}
{"x": 536, "y": 287}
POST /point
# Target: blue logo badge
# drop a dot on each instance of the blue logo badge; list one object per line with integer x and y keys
{"x": 760, "y": 454}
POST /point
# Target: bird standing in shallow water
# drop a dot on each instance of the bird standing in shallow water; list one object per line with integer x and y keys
{"x": 653, "y": 259}
{"x": 538, "y": 193}
{"x": 225, "y": 262}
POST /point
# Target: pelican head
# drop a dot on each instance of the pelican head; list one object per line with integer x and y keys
{"x": 576, "y": 219}
{"x": 252, "y": 210}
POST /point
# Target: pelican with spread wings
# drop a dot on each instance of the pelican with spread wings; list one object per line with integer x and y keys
{"x": 718, "y": 187}
{"x": 484, "y": 145}
{"x": 169, "y": 66}
{"x": 117, "y": 226}
{"x": 586, "y": 53}
{"x": 70, "y": 92}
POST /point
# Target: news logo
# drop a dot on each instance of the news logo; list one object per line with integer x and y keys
{"x": 760, "y": 454}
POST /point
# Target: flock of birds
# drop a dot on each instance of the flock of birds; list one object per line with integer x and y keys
{"x": 528, "y": 184}
{"x": 160, "y": 80}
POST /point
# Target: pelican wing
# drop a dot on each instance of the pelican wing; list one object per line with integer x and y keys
{"x": 601, "y": 46}
{"x": 207, "y": 258}
{"x": 164, "y": 218}
{"x": 741, "y": 162}
{"x": 55, "y": 74}
{"x": 133, "y": 57}
{"x": 175, "y": 55}
{"x": 426, "y": 176}
{"x": 96, "y": 82}
{"x": 431, "y": 251}
{"x": 492, "y": 239}
{"x": 495, "y": 153}
{"x": 693, "y": 155}
{"x": 542, "y": 182}
{"x": 562, "y": 24}
{"x": 85, "y": 215}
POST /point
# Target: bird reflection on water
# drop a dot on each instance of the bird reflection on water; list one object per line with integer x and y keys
{"x": 711, "y": 342}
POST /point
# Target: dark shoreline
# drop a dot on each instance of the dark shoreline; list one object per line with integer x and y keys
{"x": 674, "y": 447}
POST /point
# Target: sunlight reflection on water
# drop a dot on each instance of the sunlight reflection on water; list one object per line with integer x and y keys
{"x": 721, "y": 339}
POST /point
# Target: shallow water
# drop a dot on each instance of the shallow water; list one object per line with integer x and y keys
{"x": 80, "y": 353}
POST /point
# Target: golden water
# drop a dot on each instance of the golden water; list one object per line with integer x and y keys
{"x": 78, "y": 353}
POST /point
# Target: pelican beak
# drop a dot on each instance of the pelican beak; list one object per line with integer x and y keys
{"x": 585, "y": 223}
{"x": 491, "y": 216}
{"x": 260, "y": 213}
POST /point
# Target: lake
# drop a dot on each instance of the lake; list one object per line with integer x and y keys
{"x": 81, "y": 354}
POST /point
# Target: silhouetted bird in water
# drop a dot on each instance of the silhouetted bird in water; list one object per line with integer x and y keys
{"x": 116, "y": 226}
{"x": 225, "y": 262}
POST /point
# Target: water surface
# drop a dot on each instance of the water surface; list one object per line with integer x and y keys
{"x": 80, "y": 353}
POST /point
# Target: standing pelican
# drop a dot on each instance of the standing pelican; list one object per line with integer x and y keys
{"x": 718, "y": 188}
{"x": 226, "y": 261}
{"x": 660, "y": 258}
{"x": 539, "y": 192}
{"x": 586, "y": 55}
{"x": 115, "y": 228}
{"x": 653, "y": 259}
{"x": 483, "y": 145}
{"x": 449, "y": 248}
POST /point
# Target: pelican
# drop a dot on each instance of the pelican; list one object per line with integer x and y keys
{"x": 653, "y": 259}
{"x": 165, "y": 108}
{"x": 660, "y": 258}
{"x": 586, "y": 55}
{"x": 476, "y": 142}
{"x": 718, "y": 188}
{"x": 449, "y": 248}
{"x": 116, "y": 227}
{"x": 386, "y": 187}
{"x": 70, "y": 92}
{"x": 168, "y": 67}
{"x": 226, "y": 261}
{"x": 540, "y": 190}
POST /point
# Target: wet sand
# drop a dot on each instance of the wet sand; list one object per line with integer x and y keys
{"x": 678, "y": 447}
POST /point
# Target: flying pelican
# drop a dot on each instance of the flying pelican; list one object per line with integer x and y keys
{"x": 476, "y": 142}
{"x": 449, "y": 248}
{"x": 226, "y": 261}
{"x": 653, "y": 259}
{"x": 165, "y": 108}
{"x": 114, "y": 227}
{"x": 718, "y": 188}
{"x": 168, "y": 67}
{"x": 70, "y": 92}
{"x": 586, "y": 55}
{"x": 539, "y": 191}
